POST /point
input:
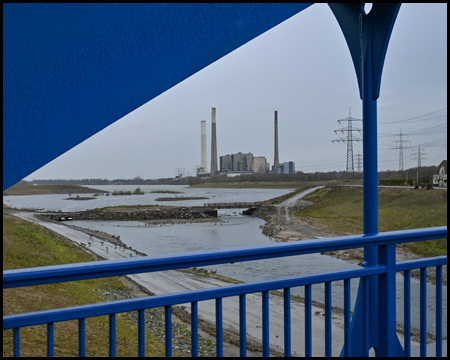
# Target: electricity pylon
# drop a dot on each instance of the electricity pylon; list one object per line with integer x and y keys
{"x": 349, "y": 139}
{"x": 419, "y": 156}
{"x": 400, "y": 147}
{"x": 359, "y": 163}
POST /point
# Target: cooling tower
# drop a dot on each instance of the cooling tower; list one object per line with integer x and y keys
{"x": 276, "y": 161}
{"x": 203, "y": 162}
{"x": 213, "y": 142}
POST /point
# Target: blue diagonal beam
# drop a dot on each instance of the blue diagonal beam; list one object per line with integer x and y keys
{"x": 70, "y": 70}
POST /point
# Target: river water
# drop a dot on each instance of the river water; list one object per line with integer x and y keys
{"x": 235, "y": 230}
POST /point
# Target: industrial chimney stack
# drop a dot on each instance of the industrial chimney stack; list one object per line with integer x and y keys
{"x": 276, "y": 161}
{"x": 213, "y": 142}
{"x": 203, "y": 162}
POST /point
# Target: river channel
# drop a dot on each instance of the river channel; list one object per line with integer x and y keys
{"x": 235, "y": 230}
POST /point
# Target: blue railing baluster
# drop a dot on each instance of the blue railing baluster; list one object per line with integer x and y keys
{"x": 308, "y": 321}
{"x": 16, "y": 341}
{"x": 219, "y": 328}
{"x": 265, "y": 324}
{"x": 407, "y": 312}
{"x": 141, "y": 333}
{"x": 347, "y": 344}
{"x": 439, "y": 311}
{"x": 168, "y": 327}
{"x": 194, "y": 329}
{"x": 328, "y": 310}
{"x": 423, "y": 312}
{"x": 112, "y": 335}
{"x": 387, "y": 333}
{"x": 287, "y": 322}
{"x": 242, "y": 327}
{"x": 82, "y": 337}
{"x": 365, "y": 315}
{"x": 50, "y": 339}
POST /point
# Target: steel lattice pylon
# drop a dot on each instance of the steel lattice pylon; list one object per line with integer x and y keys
{"x": 349, "y": 139}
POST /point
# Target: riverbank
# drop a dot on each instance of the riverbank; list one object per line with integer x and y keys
{"x": 332, "y": 211}
{"x": 50, "y": 189}
{"x": 211, "y": 280}
{"x": 257, "y": 185}
{"x": 22, "y": 240}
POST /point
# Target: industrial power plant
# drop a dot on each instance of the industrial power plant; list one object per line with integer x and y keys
{"x": 239, "y": 163}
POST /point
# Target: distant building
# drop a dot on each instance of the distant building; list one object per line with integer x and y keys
{"x": 239, "y": 161}
{"x": 225, "y": 163}
{"x": 257, "y": 164}
{"x": 243, "y": 163}
{"x": 287, "y": 168}
{"x": 440, "y": 179}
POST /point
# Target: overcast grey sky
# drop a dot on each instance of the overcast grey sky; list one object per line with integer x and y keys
{"x": 303, "y": 69}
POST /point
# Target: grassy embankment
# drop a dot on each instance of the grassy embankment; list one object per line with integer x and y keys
{"x": 48, "y": 189}
{"x": 29, "y": 245}
{"x": 259, "y": 185}
{"x": 341, "y": 209}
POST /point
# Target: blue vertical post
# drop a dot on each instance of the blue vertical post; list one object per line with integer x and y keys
{"x": 387, "y": 304}
{"x": 219, "y": 328}
{"x": 367, "y": 36}
{"x": 112, "y": 335}
{"x": 242, "y": 327}
{"x": 50, "y": 336}
{"x": 168, "y": 328}
{"x": 287, "y": 322}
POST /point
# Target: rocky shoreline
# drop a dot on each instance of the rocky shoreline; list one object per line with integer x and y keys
{"x": 137, "y": 215}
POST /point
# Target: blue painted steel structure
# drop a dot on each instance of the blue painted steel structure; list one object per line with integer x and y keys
{"x": 385, "y": 271}
{"x": 368, "y": 45}
{"x": 66, "y": 61}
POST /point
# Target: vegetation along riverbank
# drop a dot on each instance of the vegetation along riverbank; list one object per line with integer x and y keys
{"x": 29, "y": 245}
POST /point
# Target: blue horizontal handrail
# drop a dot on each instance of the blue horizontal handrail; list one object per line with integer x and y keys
{"x": 107, "y": 268}
{"x": 100, "y": 309}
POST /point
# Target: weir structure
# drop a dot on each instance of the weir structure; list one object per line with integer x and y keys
{"x": 373, "y": 324}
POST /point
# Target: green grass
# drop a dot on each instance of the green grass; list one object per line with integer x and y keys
{"x": 258, "y": 185}
{"x": 29, "y": 245}
{"x": 341, "y": 209}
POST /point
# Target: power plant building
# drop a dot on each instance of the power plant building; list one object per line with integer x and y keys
{"x": 258, "y": 164}
{"x": 239, "y": 161}
{"x": 225, "y": 163}
{"x": 287, "y": 168}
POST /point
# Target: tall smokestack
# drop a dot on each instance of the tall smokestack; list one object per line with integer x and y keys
{"x": 213, "y": 142}
{"x": 203, "y": 163}
{"x": 276, "y": 161}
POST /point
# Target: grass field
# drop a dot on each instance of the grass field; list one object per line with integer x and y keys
{"x": 259, "y": 185}
{"x": 341, "y": 209}
{"x": 29, "y": 245}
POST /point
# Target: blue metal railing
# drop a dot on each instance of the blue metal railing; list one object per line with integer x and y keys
{"x": 385, "y": 271}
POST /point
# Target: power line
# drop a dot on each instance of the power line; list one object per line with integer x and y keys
{"x": 417, "y": 117}
{"x": 349, "y": 139}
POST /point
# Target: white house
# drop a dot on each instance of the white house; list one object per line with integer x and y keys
{"x": 440, "y": 179}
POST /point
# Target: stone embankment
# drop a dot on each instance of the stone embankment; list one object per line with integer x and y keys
{"x": 156, "y": 214}
{"x": 272, "y": 228}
